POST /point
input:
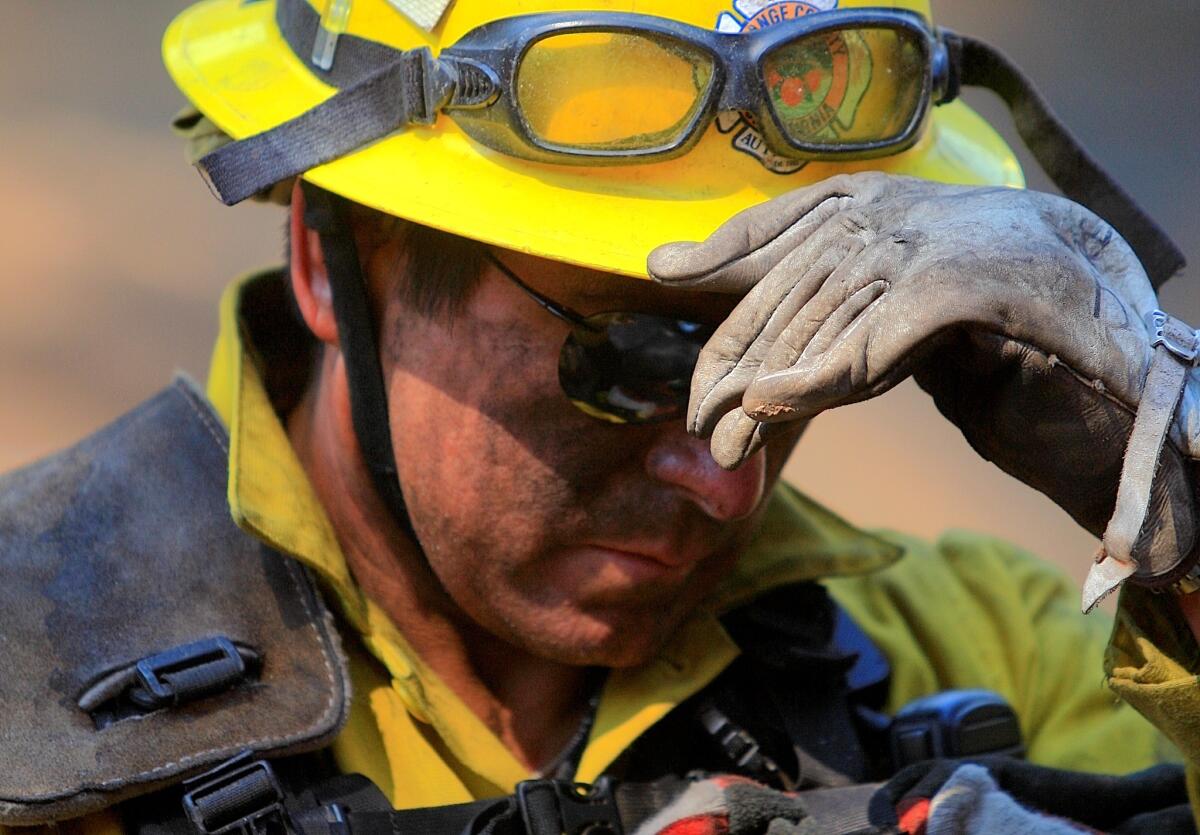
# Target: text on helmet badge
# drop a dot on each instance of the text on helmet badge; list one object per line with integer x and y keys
{"x": 828, "y": 89}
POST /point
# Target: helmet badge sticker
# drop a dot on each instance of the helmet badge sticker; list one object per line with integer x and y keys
{"x": 424, "y": 13}
{"x": 824, "y": 87}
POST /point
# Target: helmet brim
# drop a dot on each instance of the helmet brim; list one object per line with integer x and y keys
{"x": 229, "y": 58}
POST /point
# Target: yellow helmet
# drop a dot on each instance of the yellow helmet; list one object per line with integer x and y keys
{"x": 231, "y": 60}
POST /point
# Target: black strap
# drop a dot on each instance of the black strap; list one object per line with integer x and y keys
{"x": 382, "y": 90}
{"x": 467, "y": 818}
{"x": 328, "y": 215}
{"x": 788, "y": 638}
{"x": 372, "y": 108}
{"x": 795, "y": 641}
{"x": 1065, "y": 161}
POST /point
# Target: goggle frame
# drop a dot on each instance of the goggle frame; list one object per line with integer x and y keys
{"x": 482, "y": 68}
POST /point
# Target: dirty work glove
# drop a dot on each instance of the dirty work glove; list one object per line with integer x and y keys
{"x": 1022, "y": 314}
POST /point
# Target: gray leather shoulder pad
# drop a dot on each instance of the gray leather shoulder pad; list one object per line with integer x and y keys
{"x": 123, "y": 547}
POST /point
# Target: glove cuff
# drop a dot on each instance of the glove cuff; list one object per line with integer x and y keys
{"x": 1176, "y": 348}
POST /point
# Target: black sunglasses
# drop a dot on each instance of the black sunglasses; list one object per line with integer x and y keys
{"x": 622, "y": 367}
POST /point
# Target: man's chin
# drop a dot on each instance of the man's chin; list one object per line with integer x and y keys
{"x": 598, "y": 641}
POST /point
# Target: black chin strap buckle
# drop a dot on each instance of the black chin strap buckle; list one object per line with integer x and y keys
{"x": 562, "y": 808}
{"x": 241, "y": 796}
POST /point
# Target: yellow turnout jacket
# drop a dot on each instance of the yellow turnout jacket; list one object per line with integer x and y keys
{"x": 966, "y": 611}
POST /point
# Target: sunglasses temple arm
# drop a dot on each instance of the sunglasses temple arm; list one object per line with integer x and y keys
{"x": 552, "y": 307}
{"x": 1066, "y": 162}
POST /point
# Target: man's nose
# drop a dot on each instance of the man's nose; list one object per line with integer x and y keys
{"x": 683, "y": 462}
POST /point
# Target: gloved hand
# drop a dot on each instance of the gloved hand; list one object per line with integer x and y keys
{"x": 1022, "y": 314}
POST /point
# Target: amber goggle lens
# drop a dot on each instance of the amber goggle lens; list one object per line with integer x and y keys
{"x": 846, "y": 85}
{"x": 611, "y": 91}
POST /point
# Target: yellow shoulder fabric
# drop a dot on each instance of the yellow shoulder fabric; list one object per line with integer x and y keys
{"x": 971, "y": 611}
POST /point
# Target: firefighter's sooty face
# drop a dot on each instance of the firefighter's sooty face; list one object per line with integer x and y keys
{"x": 574, "y": 539}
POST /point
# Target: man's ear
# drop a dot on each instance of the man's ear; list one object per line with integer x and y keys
{"x": 310, "y": 279}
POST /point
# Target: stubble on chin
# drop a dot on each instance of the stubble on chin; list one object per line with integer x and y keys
{"x": 616, "y": 631}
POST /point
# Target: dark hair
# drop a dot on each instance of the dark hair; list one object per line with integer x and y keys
{"x": 439, "y": 273}
{"x": 440, "y": 268}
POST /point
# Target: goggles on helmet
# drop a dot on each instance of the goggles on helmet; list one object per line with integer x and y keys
{"x": 596, "y": 87}
{"x": 622, "y": 367}
{"x": 593, "y": 88}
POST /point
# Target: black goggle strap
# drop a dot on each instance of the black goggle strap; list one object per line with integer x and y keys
{"x": 1066, "y": 162}
{"x": 328, "y": 215}
{"x": 393, "y": 97}
{"x": 380, "y": 90}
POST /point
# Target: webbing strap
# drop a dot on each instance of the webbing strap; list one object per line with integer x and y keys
{"x": 451, "y": 820}
{"x": 833, "y": 811}
{"x": 1176, "y": 347}
{"x": 1065, "y": 161}
{"x": 350, "y": 119}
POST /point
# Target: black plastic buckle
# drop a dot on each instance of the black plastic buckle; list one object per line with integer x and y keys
{"x": 428, "y": 85}
{"x": 241, "y": 795}
{"x": 569, "y": 808}
{"x": 188, "y": 672}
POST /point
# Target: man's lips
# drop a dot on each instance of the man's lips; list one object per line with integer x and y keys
{"x": 665, "y": 555}
{"x": 614, "y": 568}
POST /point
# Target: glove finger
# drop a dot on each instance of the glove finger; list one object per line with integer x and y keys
{"x": 826, "y": 314}
{"x": 747, "y": 246}
{"x": 735, "y": 438}
{"x": 738, "y": 436}
{"x": 765, "y": 402}
{"x": 869, "y": 355}
{"x": 734, "y": 354}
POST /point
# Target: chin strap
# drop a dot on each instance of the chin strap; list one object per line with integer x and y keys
{"x": 328, "y": 215}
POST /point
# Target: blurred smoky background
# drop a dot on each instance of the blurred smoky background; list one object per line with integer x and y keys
{"x": 114, "y": 253}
